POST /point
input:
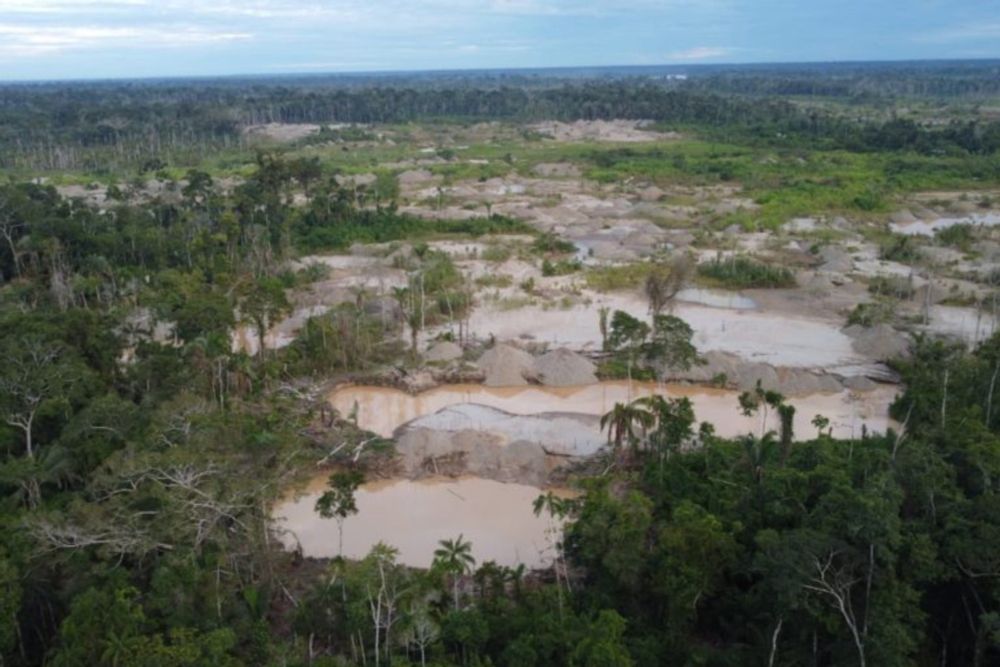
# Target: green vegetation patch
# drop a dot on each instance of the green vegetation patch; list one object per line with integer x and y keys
{"x": 617, "y": 277}
{"x": 740, "y": 272}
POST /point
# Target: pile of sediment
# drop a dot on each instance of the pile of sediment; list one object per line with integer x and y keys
{"x": 563, "y": 368}
{"x": 483, "y": 441}
{"x": 507, "y": 366}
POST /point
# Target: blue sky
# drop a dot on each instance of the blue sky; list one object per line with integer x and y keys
{"x": 49, "y": 39}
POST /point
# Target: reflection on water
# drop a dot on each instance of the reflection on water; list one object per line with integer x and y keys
{"x": 413, "y": 516}
{"x": 716, "y": 298}
{"x": 382, "y": 410}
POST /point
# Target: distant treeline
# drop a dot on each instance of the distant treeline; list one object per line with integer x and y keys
{"x": 118, "y": 126}
{"x": 860, "y": 82}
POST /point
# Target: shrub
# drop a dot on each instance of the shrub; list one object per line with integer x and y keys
{"x": 957, "y": 236}
{"x": 550, "y": 244}
{"x": 738, "y": 272}
{"x": 899, "y": 248}
{"x": 560, "y": 268}
{"x": 870, "y": 314}
{"x": 893, "y": 286}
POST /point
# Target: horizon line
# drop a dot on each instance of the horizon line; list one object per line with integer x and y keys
{"x": 489, "y": 70}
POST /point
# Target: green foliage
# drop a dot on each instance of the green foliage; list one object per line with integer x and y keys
{"x": 560, "y": 268}
{"x": 872, "y": 313}
{"x": 136, "y": 522}
{"x": 339, "y": 501}
{"x": 670, "y": 344}
{"x": 896, "y": 287}
{"x": 550, "y": 244}
{"x": 640, "y": 351}
{"x": 741, "y": 272}
{"x": 900, "y": 248}
{"x": 319, "y": 230}
{"x": 957, "y": 236}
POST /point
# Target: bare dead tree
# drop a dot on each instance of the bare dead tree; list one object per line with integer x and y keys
{"x": 30, "y": 375}
{"x": 836, "y": 583}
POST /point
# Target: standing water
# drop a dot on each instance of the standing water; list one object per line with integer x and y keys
{"x": 382, "y": 410}
{"x": 414, "y": 516}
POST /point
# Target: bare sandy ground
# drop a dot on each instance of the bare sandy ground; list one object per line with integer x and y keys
{"x": 617, "y": 131}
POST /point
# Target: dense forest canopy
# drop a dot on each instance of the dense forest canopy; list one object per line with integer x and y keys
{"x": 91, "y": 125}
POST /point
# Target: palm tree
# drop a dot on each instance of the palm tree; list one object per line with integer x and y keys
{"x": 622, "y": 422}
{"x": 455, "y": 558}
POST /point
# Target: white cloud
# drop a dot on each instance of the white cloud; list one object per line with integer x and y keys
{"x": 700, "y": 53}
{"x": 24, "y": 40}
{"x": 67, "y": 6}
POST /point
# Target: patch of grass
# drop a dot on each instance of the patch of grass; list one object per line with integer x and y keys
{"x": 741, "y": 272}
{"x": 515, "y": 303}
{"x": 496, "y": 253}
{"x": 550, "y": 244}
{"x": 896, "y": 287}
{"x": 384, "y": 225}
{"x": 563, "y": 267}
{"x": 617, "y": 369}
{"x": 870, "y": 314}
{"x": 498, "y": 280}
{"x": 617, "y": 277}
{"x": 957, "y": 236}
{"x": 899, "y": 248}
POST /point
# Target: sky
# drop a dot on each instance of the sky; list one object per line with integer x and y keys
{"x": 81, "y": 39}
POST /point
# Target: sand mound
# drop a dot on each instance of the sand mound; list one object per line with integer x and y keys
{"x": 880, "y": 342}
{"x": 443, "y": 351}
{"x": 744, "y": 375}
{"x": 562, "y": 368}
{"x": 506, "y": 366}
{"x": 651, "y": 194}
{"x": 903, "y": 217}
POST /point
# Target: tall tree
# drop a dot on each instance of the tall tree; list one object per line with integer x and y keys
{"x": 454, "y": 557}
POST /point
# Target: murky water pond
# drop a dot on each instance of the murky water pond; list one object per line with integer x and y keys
{"x": 716, "y": 298}
{"x": 383, "y": 410}
{"x": 768, "y": 337}
{"x": 413, "y": 516}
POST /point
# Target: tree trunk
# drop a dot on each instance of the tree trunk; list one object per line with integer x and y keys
{"x": 774, "y": 643}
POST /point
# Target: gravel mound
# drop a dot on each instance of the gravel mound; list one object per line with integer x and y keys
{"x": 880, "y": 342}
{"x": 443, "y": 351}
{"x": 859, "y": 383}
{"x": 835, "y": 260}
{"x": 744, "y": 375}
{"x": 563, "y": 368}
{"x": 506, "y": 366}
{"x": 651, "y": 194}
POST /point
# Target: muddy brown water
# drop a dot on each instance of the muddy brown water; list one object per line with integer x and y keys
{"x": 414, "y": 516}
{"x": 383, "y": 410}
{"x": 498, "y": 518}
